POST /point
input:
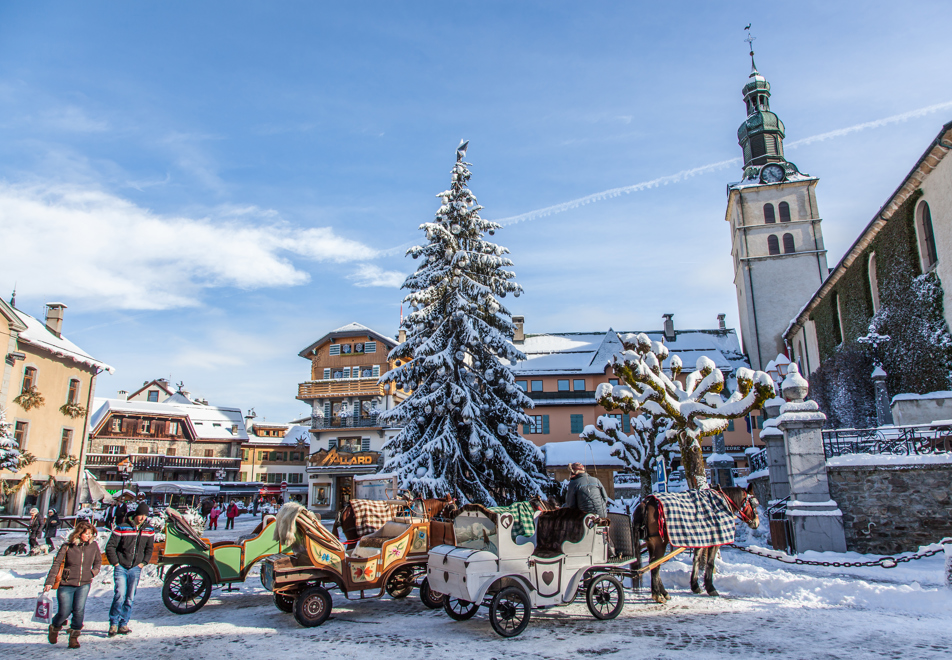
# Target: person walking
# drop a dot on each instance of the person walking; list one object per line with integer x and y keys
{"x": 213, "y": 517}
{"x": 129, "y": 549}
{"x": 230, "y": 515}
{"x": 254, "y": 506}
{"x": 110, "y": 516}
{"x": 34, "y": 528}
{"x": 74, "y": 567}
{"x": 122, "y": 511}
{"x": 587, "y": 493}
{"x": 51, "y": 527}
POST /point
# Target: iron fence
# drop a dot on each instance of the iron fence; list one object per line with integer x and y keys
{"x": 895, "y": 440}
{"x": 757, "y": 461}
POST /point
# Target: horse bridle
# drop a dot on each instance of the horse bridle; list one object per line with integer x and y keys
{"x": 742, "y": 510}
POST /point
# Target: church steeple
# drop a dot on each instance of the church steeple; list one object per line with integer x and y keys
{"x": 761, "y": 135}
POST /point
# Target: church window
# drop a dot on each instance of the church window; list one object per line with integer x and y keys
{"x": 784, "y": 212}
{"x": 873, "y": 283}
{"x": 773, "y": 244}
{"x": 927, "y": 249}
{"x": 769, "y": 216}
{"x": 788, "y": 246}
{"x": 837, "y": 320}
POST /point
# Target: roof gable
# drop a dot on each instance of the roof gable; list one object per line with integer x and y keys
{"x": 34, "y": 332}
{"x": 350, "y": 330}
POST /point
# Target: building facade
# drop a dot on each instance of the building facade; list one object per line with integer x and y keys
{"x": 276, "y": 456}
{"x": 47, "y": 388}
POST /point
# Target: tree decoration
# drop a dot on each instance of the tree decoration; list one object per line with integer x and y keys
{"x": 72, "y": 410}
{"x": 26, "y": 458}
{"x": 29, "y": 399}
{"x": 10, "y": 456}
{"x": 471, "y": 451}
{"x": 65, "y": 463}
{"x": 694, "y": 410}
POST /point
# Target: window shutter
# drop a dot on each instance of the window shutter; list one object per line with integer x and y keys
{"x": 577, "y": 425}
{"x": 327, "y": 411}
{"x": 334, "y": 349}
{"x": 376, "y": 371}
{"x": 730, "y": 425}
{"x": 625, "y": 424}
{"x": 346, "y": 372}
{"x": 327, "y": 374}
{"x": 332, "y": 443}
{"x": 370, "y": 347}
{"x": 356, "y": 413}
{"x": 545, "y": 424}
{"x": 525, "y": 429}
{"x": 365, "y": 444}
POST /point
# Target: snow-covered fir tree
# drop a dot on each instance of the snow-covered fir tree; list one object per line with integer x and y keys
{"x": 460, "y": 424}
{"x": 9, "y": 450}
{"x": 646, "y": 443}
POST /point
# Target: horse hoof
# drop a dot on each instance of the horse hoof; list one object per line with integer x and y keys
{"x": 696, "y": 588}
{"x": 713, "y": 592}
{"x": 658, "y": 598}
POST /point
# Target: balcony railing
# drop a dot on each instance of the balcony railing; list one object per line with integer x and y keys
{"x": 157, "y": 462}
{"x": 349, "y": 422}
{"x": 318, "y": 389}
{"x": 896, "y": 440}
{"x": 758, "y": 461}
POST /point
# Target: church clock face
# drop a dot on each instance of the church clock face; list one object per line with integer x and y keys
{"x": 772, "y": 173}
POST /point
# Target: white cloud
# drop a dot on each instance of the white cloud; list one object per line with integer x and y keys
{"x": 370, "y": 275}
{"x": 71, "y": 242}
{"x": 71, "y": 118}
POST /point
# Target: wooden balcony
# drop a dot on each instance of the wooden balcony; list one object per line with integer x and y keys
{"x": 155, "y": 462}
{"x": 340, "y": 387}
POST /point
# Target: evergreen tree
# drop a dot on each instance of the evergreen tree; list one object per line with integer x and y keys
{"x": 9, "y": 454}
{"x": 460, "y": 424}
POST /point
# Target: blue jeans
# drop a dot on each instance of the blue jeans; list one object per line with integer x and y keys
{"x": 126, "y": 581}
{"x": 71, "y": 600}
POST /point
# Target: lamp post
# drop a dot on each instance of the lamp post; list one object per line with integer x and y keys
{"x": 125, "y": 469}
{"x": 220, "y": 473}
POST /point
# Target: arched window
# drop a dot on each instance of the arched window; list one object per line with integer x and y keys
{"x": 927, "y": 250}
{"x": 837, "y": 326}
{"x": 773, "y": 244}
{"x": 873, "y": 282}
{"x": 769, "y": 216}
{"x": 788, "y": 244}
{"x": 73, "y": 395}
{"x": 784, "y": 212}
{"x": 29, "y": 379}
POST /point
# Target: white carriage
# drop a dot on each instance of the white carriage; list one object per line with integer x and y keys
{"x": 511, "y": 575}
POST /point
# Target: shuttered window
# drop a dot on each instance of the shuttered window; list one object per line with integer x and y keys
{"x": 365, "y": 444}
{"x": 327, "y": 374}
{"x": 346, "y": 372}
{"x": 332, "y": 443}
{"x": 327, "y": 411}
{"x": 577, "y": 423}
{"x": 370, "y": 347}
{"x": 375, "y": 372}
{"x": 625, "y": 424}
{"x": 333, "y": 349}
{"x": 545, "y": 424}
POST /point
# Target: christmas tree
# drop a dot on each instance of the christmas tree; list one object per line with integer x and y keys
{"x": 460, "y": 424}
{"x": 9, "y": 454}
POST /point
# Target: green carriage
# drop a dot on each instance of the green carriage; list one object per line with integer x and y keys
{"x": 196, "y": 564}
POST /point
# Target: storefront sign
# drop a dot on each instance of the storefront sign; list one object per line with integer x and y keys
{"x": 334, "y": 457}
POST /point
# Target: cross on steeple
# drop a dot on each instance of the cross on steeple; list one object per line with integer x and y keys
{"x": 750, "y": 42}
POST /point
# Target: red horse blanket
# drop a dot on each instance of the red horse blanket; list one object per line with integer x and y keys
{"x": 695, "y": 519}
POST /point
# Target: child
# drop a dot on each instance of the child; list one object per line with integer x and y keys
{"x": 213, "y": 517}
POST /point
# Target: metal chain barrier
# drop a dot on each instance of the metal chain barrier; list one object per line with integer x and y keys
{"x": 882, "y": 562}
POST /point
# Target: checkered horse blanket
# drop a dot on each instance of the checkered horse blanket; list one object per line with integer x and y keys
{"x": 523, "y": 515}
{"x": 695, "y": 519}
{"x": 370, "y": 515}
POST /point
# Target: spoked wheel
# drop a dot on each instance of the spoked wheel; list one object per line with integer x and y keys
{"x": 186, "y": 589}
{"x": 605, "y": 597}
{"x": 461, "y": 610}
{"x": 283, "y": 602}
{"x": 432, "y": 599}
{"x": 312, "y": 606}
{"x": 400, "y": 583}
{"x": 509, "y": 611}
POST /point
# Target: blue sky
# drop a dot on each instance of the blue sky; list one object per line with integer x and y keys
{"x": 212, "y": 186}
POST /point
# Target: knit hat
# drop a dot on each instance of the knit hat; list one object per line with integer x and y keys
{"x": 576, "y": 468}
{"x": 142, "y": 510}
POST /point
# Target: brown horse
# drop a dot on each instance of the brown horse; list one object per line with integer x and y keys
{"x": 346, "y": 519}
{"x": 645, "y": 522}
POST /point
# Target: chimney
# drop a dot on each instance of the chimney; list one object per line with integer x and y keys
{"x": 669, "y": 327}
{"x": 122, "y": 394}
{"x": 519, "y": 336}
{"x": 401, "y": 336}
{"x": 54, "y": 318}
{"x": 721, "y": 325}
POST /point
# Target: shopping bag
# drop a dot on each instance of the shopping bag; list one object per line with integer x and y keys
{"x": 43, "y": 612}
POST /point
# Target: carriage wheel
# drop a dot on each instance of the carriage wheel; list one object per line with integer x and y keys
{"x": 605, "y": 597}
{"x": 509, "y": 611}
{"x": 283, "y": 602}
{"x": 458, "y": 609}
{"x": 312, "y": 606}
{"x": 186, "y": 589}
{"x": 400, "y": 583}
{"x": 432, "y": 599}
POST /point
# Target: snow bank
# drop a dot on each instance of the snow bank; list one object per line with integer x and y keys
{"x": 889, "y": 459}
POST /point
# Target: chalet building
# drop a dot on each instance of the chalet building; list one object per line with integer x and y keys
{"x": 563, "y": 370}
{"x": 176, "y": 440}
{"x": 276, "y": 456}
{"x": 47, "y": 387}
{"x": 346, "y": 400}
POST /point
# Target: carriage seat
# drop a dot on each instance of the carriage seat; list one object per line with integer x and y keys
{"x": 370, "y": 545}
{"x": 553, "y": 528}
{"x": 257, "y": 530}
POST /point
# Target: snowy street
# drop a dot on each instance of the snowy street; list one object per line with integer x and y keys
{"x": 766, "y": 609}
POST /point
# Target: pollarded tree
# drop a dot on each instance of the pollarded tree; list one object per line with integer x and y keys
{"x": 695, "y": 410}
{"x": 460, "y": 423}
{"x": 647, "y": 442}
{"x": 9, "y": 449}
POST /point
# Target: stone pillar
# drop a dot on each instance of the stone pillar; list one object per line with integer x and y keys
{"x": 883, "y": 411}
{"x": 776, "y": 453}
{"x": 816, "y": 519}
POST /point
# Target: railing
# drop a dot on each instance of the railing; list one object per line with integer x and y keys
{"x": 348, "y": 422}
{"x": 896, "y": 440}
{"x": 317, "y": 389}
{"x": 153, "y": 462}
{"x": 758, "y": 461}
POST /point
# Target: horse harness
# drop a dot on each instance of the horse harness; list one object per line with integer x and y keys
{"x": 745, "y": 511}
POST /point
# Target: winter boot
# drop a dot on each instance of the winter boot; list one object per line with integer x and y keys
{"x": 113, "y": 631}
{"x": 53, "y": 634}
{"x": 74, "y": 638}
{"x": 124, "y": 630}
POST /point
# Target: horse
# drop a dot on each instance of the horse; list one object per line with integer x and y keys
{"x": 645, "y": 523}
{"x": 346, "y": 519}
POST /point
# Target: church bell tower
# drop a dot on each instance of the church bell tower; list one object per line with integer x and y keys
{"x": 776, "y": 242}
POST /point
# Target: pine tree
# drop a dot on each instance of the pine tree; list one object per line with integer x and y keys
{"x": 460, "y": 424}
{"x": 9, "y": 449}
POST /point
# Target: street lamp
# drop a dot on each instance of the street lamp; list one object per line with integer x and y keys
{"x": 125, "y": 469}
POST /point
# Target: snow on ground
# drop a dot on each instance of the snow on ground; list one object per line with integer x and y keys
{"x": 766, "y": 609}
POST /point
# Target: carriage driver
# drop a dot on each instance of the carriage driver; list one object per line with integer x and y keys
{"x": 588, "y": 494}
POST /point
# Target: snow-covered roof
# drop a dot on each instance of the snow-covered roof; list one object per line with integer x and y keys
{"x": 292, "y": 434}
{"x": 208, "y": 422}
{"x": 350, "y": 330}
{"x": 589, "y": 352}
{"x": 579, "y": 451}
{"x": 37, "y": 334}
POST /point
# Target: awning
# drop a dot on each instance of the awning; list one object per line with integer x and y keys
{"x": 178, "y": 489}
{"x": 91, "y": 491}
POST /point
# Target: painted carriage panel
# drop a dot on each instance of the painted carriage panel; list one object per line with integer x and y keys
{"x": 460, "y": 572}
{"x": 547, "y": 576}
{"x": 228, "y": 561}
{"x": 363, "y": 571}
{"x": 419, "y": 540}
{"x": 396, "y": 549}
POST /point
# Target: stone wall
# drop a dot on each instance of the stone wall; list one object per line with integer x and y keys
{"x": 889, "y": 509}
{"x": 761, "y": 490}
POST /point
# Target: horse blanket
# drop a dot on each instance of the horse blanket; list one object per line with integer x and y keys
{"x": 370, "y": 515}
{"x": 695, "y": 519}
{"x": 523, "y": 514}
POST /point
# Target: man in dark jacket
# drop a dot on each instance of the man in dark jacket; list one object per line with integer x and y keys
{"x": 129, "y": 549}
{"x": 588, "y": 494}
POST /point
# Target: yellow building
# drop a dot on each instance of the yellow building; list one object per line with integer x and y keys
{"x": 47, "y": 390}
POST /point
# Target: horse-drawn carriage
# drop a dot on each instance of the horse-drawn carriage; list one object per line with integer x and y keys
{"x": 390, "y": 560}
{"x": 196, "y": 563}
